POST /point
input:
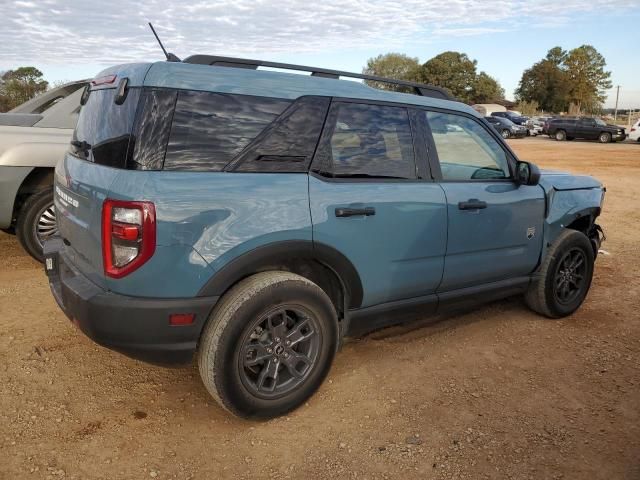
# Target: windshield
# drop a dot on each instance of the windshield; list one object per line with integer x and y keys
{"x": 104, "y": 128}
{"x": 600, "y": 122}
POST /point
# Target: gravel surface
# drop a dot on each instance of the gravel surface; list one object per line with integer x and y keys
{"x": 498, "y": 392}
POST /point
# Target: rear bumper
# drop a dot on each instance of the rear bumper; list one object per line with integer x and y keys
{"x": 137, "y": 327}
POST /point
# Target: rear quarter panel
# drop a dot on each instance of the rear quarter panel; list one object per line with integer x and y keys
{"x": 206, "y": 219}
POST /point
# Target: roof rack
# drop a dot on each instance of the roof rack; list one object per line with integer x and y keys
{"x": 418, "y": 88}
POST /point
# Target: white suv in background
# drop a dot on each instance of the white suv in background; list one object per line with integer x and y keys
{"x": 634, "y": 133}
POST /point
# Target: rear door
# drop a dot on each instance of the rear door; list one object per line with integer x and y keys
{"x": 371, "y": 199}
{"x": 495, "y": 225}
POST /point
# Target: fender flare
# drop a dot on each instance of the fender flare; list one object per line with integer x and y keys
{"x": 272, "y": 255}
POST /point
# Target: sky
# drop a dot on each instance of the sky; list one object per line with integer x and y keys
{"x": 72, "y": 39}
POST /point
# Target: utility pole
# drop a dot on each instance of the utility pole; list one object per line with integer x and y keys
{"x": 615, "y": 113}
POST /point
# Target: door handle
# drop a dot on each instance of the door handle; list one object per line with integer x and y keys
{"x": 472, "y": 204}
{"x": 354, "y": 212}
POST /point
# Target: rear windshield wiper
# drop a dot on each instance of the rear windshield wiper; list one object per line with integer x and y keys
{"x": 82, "y": 145}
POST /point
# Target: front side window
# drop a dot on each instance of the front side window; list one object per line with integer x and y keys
{"x": 368, "y": 141}
{"x": 465, "y": 149}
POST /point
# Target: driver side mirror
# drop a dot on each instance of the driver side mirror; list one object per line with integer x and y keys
{"x": 527, "y": 174}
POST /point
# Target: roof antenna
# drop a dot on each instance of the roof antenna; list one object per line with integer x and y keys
{"x": 170, "y": 56}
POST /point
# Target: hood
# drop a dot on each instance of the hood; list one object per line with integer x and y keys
{"x": 552, "y": 179}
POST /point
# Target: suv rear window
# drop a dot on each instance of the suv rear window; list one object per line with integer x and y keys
{"x": 210, "y": 129}
{"x": 104, "y": 129}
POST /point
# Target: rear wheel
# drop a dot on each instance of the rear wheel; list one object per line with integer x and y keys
{"x": 505, "y": 134}
{"x": 565, "y": 276}
{"x": 268, "y": 344}
{"x": 561, "y": 135}
{"x": 605, "y": 137}
{"x": 36, "y": 222}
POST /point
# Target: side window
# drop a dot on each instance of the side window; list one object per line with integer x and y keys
{"x": 210, "y": 129}
{"x": 367, "y": 141}
{"x": 288, "y": 143}
{"x": 466, "y": 150}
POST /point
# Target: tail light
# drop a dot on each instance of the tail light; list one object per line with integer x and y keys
{"x": 128, "y": 236}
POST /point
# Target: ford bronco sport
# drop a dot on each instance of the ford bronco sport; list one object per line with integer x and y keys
{"x": 254, "y": 218}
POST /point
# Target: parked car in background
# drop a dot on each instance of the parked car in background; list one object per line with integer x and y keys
{"x": 534, "y": 127}
{"x": 506, "y": 128}
{"x": 513, "y": 116}
{"x": 254, "y": 218}
{"x": 33, "y": 137}
{"x": 585, "y": 128}
{"x": 634, "y": 132}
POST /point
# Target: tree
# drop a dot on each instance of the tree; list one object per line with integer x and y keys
{"x": 453, "y": 71}
{"x": 486, "y": 89}
{"x": 564, "y": 78}
{"x": 20, "y": 85}
{"x": 588, "y": 79}
{"x": 392, "y": 65}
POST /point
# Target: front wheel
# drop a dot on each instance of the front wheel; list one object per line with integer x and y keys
{"x": 605, "y": 137}
{"x": 506, "y": 134}
{"x": 36, "y": 222}
{"x": 565, "y": 276}
{"x": 268, "y": 344}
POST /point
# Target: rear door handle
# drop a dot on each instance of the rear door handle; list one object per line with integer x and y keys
{"x": 472, "y": 204}
{"x": 354, "y": 212}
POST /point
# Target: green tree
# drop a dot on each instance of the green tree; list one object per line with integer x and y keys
{"x": 565, "y": 78}
{"x": 453, "y": 71}
{"x": 392, "y": 65}
{"x": 19, "y": 85}
{"x": 486, "y": 89}
{"x": 588, "y": 79}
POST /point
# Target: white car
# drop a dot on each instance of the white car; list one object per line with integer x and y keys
{"x": 634, "y": 133}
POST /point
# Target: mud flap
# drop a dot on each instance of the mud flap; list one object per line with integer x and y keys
{"x": 596, "y": 236}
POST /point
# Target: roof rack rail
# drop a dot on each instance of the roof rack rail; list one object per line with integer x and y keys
{"x": 418, "y": 88}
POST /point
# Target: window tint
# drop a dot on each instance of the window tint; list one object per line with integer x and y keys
{"x": 287, "y": 145}
{"x": 368, "y": 140}
{"x": 104, "y": 129}
{"x": 465, "y": 149}
{"x": 210, "y": 129}
{"x": 151, "y": 129}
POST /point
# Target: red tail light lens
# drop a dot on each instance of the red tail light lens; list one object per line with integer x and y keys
{"x": 128, "y": 236}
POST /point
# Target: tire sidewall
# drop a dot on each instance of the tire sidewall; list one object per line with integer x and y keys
{"x": 28, "y": 217}
{"x": 577, "y": 240}
{"x": 604, "y": 137}
{"x": 227, "y": 375}
{"x": 560, "y": 135}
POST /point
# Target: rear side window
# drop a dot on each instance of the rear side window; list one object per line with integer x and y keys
{"x": 103, "y": 131}
{"x": 367, "y": 141}
{"x": 466, "y": 150}
{"x": 210, "y": 129}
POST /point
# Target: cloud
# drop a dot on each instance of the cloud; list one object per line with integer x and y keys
{"x": 77, "y": 31}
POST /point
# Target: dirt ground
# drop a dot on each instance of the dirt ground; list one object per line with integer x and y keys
{"x": 495, "y": 393}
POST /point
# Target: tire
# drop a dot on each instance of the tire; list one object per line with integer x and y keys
{"x": 245, "y": 385}
{"x": 546, "y": 292}
{"x": 505, "y": 134}
{"x": 36, "y": 222}
{"x": 560, "y": 135}
{"x": 604, "y": 137}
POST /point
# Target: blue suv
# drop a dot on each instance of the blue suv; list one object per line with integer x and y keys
{"x": 253, "y": 218}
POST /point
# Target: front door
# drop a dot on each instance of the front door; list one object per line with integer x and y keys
{"x": 369, "y": 202}
{"x": 494, "y": 224}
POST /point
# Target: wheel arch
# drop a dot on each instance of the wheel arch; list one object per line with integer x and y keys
{"x": 320, "y": 263}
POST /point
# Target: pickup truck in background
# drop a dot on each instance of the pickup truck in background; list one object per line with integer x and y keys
{"x": 33, "y": 137}
{"x": 585, "y": 128}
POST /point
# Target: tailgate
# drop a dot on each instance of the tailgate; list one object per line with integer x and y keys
{"x": 79, "y": 191}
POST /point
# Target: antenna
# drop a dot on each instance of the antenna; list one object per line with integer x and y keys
{"x": 170, "y": 56}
